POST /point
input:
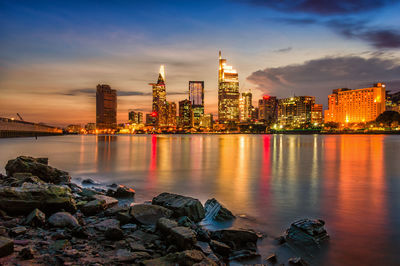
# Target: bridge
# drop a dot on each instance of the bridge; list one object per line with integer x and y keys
{"x": 17, "y": 128}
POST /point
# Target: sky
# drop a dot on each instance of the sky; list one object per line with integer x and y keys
{"x": 54, "y": 53}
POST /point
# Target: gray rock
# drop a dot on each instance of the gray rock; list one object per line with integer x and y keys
{"x": 124, "y": 192}
{"x": 35, "y": 218}
{"x": 165, "y": 225}
{"x": 89, "y": 181}
{"x": 19, "y": 178}
{"x": 297, "y": 261}
{"x": 240, "y": 255}
{"x": 220, "y": 248}
{"x": 114, "y": 234}
{"x": 204, "y": 247}
{"x": 37, "y": 167}
{"x": 47, "y": 197}
{"x": 99, "y": 204}
{"x": 237, "y": 239}
{"x": 106, "y": 224}
{"x": 16, "y": 231}
{"x": 183, "y": 237}
{"x": 216, "y": 211}
{"x": 131, "y": 227}
{"x": 181, "y": 205}
{"x": 6, "y": 246}
{"x": 149, "y": 214}
{"x": 124, "y": 217}
{"x": 307, "y": 233}
{"x": 63, "y": 219}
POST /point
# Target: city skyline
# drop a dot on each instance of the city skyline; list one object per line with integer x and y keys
{"x": 53, "y": 55}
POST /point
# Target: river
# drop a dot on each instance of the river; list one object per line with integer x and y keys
{"x": 350, "y": 181}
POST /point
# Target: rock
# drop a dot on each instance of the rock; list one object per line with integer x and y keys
{"x": 181, "y": 205}
{"x": 114, "y": 234}
{"x": 106, "y": 224}
{"x": 124, "y": 192}
{"x": 307, "y": 233}
{"x": 3, "y": 230}
{"x": 220, "y": 248}
{"x": 185, "y": 258}
{"x": 124, "y": 217}
{"x": 280, "y": 240}
{"x": 100, "y": 203}
{"x": 272, "y": 258}
{"x": 89, "y": 181}
{"x": 47, "y": 197}
{"x": 37, "y": 167}
{"x": 60, "y": 244}
{"x": 185, "y": 221}
{"x": 237, "y": 239}
{"x": 183, "y": 237}
{"x": 216, "y": 211}
{"x": 149, "y": 214}
{"x": 109, "y": 201}
{"x": 88, "y": 194}
{"x": 243, "y": 255}
{"x": 63, "y": 219}
{"x": 125, "y": 256}
{"x": 6, "y": 246}
{"x": 80, "y": 232}
{"x": 144, "y": 237}
{"x": 26, "y": 253}
{"x": 204, "y": 247}
{"x": 35, "y": 218}
{"x": 19, "y": 178}
{"x": 16, "y": 231}
{"x": 202, "y": 234}
{"x": 131, "y": 227}
{"x": 165, "y": 225}
{"x": 115, "y": 210}
{"x": 297, "y": 261}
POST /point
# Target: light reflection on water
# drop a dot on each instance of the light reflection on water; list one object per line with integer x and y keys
{"x": 350, "y": 181}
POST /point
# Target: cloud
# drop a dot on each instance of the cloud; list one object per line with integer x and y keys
{"x": 318, "y": 77}
{"x": 284, "y": 50}
{"x": 321, "y": 7}
{"x": 121, "y": 93}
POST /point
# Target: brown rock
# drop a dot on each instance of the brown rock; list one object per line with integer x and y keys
{"x": 6, "y": 246}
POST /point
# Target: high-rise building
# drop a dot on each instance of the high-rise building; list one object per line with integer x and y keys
{"x": 316, "y": 114}
{"x": 150, "y": 119}
{"x": 245, "y": 106}
{"x": 196, "y": 97}
{"x": 135, "y": 117}
{"x": 295, "y": 111}
{"x": 228, "y": 93}
{"x": 171, "y": 110}
{"x": 393, "y": 101}
{"x": 206, "y": 121}
{"x": 106, "y": 107}
{"x": 268, "y": 109}
{"x": 355, "y": 106}
{"x": 185, "y": 114}
{"x": 159, "y": 108}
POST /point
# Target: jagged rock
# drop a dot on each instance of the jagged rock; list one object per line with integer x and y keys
{"x": 46, "y": 197}
{"x": 37, "y": 167}
{"x": 183, "y": 237}
{"x": 185, "y": 221}
{"x": 203, "y": 247}
{"x": 216, "y": 211}
{"x": 181, "y": 205}
{"x": 297, "y": 261}
{"x": 26, "y": 253}
{"x": 149, "y": 214}
{"x": 6, "y": 246}
{"x": 124, "y": 192}
{"x": 124, "y": 217}
{"x": 243, "y": 255}
{"x": 19, "y": 178}
{"x": 63, "y": 219}
{"x": 106, "y": 224}
{"x": 115, "y": 210}
{"x": 307, "y": 233}
{"x": 109, "y": 201}
{"x": 89, "y": 181}
{"x": 272, "y": 258}
{"x": 88, "y": 194}
{"x": 131, "y": 227}
{"x": 35, "y": 218}
{"x": 114, "y": 233}
{"x": 237, "y": 239}
{"x": 16, "y": 231}
{"x": 144, "y": 237}
{"x": 165, "y": 225}
{"x": 100, "y": 203}
{"x": 220, "y": 248}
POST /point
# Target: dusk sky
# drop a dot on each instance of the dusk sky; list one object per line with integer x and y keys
{"x": 54, "y": 53}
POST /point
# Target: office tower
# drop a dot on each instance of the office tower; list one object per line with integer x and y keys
{"x": 206, "y": 121}
{"x": 316, "y": 114}
{"x": 245, "y": 106}
{"x": 159, "y": 110}
{"x": 171, "y": 110}
{"x": 355, "y": 106}
{"x": 150, "y": 119}
{"x": 106, "y": 107}
{"x": 228, "y": 93}
{"x": 295, "y": 111}
{"x": 185, "y": 114}
{"x": 268, "y": 109}
{"x": 196, "y": 97}
{"x": 393, "y": 101}
{"x": 136, "y": 117}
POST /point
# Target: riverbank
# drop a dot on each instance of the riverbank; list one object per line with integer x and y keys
{"x": 46, "y": 219}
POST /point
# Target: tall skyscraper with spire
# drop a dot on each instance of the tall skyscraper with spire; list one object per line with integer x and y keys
{"x": 159, "y": 108}
{"x": 228, "y": 93}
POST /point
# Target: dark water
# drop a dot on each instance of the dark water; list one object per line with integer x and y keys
{"x": 352, "y": 182}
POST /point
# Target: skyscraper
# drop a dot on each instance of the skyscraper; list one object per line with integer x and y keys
{"x": 295, "y": 111}
{"x": 171, "y": 110}
{"x": 159, "y": 110}
{"x": 228, "y": 93}
{"x": 185, "y": 114}
{"x": 136, "y": 117}
{"x": 246, "y": 106}
{"x": 106, "y": 107}
{"x": 196, "y": 98}
{"x": 268, "y": 109}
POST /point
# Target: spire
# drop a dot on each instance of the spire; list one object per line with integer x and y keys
{"x": 161, "y": 75}
{"x": 220, "y": 55}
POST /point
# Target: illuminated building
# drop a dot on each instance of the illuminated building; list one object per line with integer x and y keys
{"x": 295, "y": 111}
{"x": 355, "y": 106}
{"x": 316, "y": 114}
{"x": 171, "y": 110}
{"x": 245, "y": 106}
{"x": 159, "y": 110}
{"x": 151, "y": 119}
{"x": 228, "y": 93}
{"x": 268, "y": 109}
{"x": 393, "y": 101}
{"x": 196, "y": 97}
{"x": 136, "y": 117}
{"x": 206, "y": 121}
{"x": 185, "y": 114}
{"x": 74, "y": 129}
{"x": 106, "y": 107}
{"x": 90, "y": 127}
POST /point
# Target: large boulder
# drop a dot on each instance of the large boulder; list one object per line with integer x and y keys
{"x": 63, "y": 219}
{"x": 237, "y": 239}
{"x": 38, "y": 167}
{"x": 99, "y": 204}
{"x": 216, "y": 211}
{"x": 183, "y": 237}
{"x": 6, "y": 246}
{"x": 181, "y": 205}
{"x": 307, "y": 233}
{"x": 47, "y": 197}
{"x": 19, "y": 178}
{"x": 149, "y": 214}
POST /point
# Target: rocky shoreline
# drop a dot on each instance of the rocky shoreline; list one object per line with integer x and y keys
{"x": 47, "y": 219}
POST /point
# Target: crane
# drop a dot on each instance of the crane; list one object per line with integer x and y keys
{"x": 20, "y": 117}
